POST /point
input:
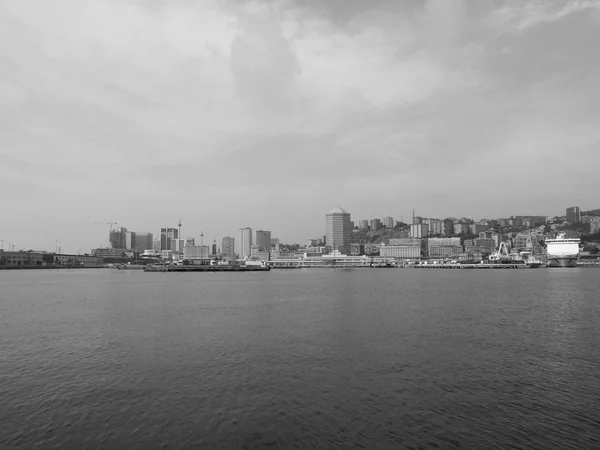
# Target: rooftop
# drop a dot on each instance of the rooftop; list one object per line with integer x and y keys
{"x": 338, "y": 210}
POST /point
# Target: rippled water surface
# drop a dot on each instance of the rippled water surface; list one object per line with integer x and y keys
{"x": 363, "y": 358}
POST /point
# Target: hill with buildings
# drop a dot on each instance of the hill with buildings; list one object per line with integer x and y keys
{"x": 380, "y": 236}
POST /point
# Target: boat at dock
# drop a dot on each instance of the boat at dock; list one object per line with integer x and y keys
{"x": 563, "y": 251}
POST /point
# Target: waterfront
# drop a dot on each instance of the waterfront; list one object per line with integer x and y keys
{"x": 300, "y": 359}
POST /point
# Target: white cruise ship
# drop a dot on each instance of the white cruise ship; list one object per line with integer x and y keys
{"x": 562, "y": 251}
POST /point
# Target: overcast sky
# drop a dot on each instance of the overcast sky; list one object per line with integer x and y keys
{"x": 268, "y": 114}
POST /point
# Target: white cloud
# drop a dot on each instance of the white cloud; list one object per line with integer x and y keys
{"x": 165, "y": 98}
{"x": 518, "y": 16}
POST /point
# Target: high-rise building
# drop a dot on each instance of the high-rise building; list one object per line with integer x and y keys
{"x": 214, "y": 247}
{"x": 388, "y": 222}
{"x": 143, "y": 242}
{"x": 263, "y": 240}
{"x": 118, "y": 238}
{"x": 363, "y": 224}
{"x": 448, "y": 227}
{"x": 245, "y": 242}
{"x": 228, "y": 248}
{"x": 130, "y": 240}
{"x": 461, "y": 228}
{"x": 166, "y": 234}
{"x": 177, "y": 245}
{"x": 418, "y": 231}
{"x": 375, "y": 224}
{"x": 573, "y": 214}
{"x": 337, "y": 230}
{"x": 594, "y": 226}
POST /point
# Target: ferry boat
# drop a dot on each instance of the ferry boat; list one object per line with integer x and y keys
{"x": 562, "y": 251}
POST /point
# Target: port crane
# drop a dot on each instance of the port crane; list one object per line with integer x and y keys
{"x": 500, "y": 254}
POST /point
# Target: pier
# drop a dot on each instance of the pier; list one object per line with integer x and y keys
{"x": 206, "y": 268}
{"x": 473, "y": 266}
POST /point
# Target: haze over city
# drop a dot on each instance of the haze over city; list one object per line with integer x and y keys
{"x": 268, "y": 114}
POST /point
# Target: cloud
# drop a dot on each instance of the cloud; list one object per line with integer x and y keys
{"x": 379, "y": 106}
{"x": 518, "y": 17}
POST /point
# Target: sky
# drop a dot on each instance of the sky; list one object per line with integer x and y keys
{"x": 268, "y": 114}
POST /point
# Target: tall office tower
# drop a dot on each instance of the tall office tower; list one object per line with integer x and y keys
{"x": 118, "y": 238}
{"x": 573, "y": 214}
{"x": 143, "y": 242}
{"x": 245, "y": 242}
{"x": 214, "y": 247}
{"x": 363, "y": 224}
{"x": 228, "y": 248}
{"x": 388, "y": 222}
{"x": 166, "y": 235}
{"x": 263, "y": 240}
{"x": 337, "y": 230}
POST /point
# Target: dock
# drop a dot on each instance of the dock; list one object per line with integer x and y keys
{"x": 473, "y": 266}
{"x": 206, "y": 268}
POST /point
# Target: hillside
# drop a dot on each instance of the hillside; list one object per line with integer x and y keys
{"x": 377, "y": 237}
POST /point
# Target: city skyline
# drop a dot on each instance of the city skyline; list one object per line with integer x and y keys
{"x": 107, "y": 227}
{"x": 379, "y": 106}
{"x": 185, "y": 236}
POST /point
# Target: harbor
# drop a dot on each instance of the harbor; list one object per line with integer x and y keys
{"x": 476, "y": 266}
{"x": 206, "y": 268}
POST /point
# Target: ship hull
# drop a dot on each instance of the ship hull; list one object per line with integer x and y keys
{"x": 562, "y": 261}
